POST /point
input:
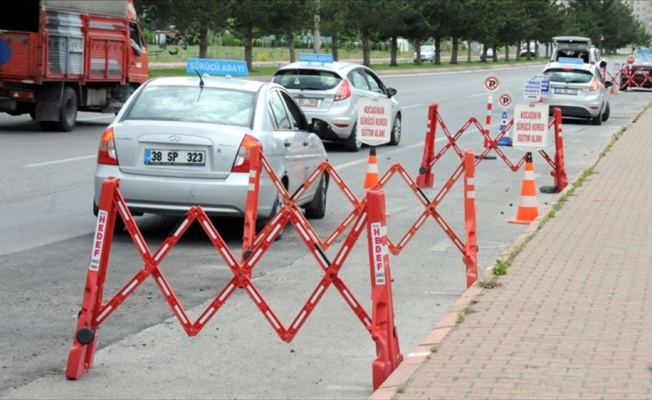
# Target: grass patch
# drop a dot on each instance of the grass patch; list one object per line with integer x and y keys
{"x": 461, "y": 314}
{"x": 500, "y": 268}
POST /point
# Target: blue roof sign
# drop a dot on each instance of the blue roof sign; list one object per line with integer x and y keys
{"x": 570, "y": 60}
{"x": 645, "y": 52}
{"x": 317, "y": 58}
{"x": 217, "y": 67}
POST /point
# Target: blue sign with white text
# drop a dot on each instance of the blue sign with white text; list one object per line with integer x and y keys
{"x": 570, "y": 60}
{"x": 217, "y": 67}
{"x": 318, "y": 58}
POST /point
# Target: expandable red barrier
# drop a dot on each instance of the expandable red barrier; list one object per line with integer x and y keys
{"x": 470, "y": 253}
{"x": 369, "y": 210}
{"x": 633, "y": 78}
{"x": 425, "y": 179}
{"x": 383, "y": 330}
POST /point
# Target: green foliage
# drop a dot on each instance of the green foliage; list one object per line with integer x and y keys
{"x": 373, "y": 24}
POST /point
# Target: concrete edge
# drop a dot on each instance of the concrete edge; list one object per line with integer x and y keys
{"x": 413, "y": 361}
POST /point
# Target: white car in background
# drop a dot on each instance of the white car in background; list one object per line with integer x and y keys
{"x": 328, "y": 93}
{"x": 427, "y": 54}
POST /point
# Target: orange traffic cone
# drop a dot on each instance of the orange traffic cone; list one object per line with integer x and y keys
{"x": 528, "y": 209}
{"x": 615, "y": 88}
{"x": 371, "y": 178}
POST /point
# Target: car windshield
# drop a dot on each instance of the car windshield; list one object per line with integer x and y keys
{"x": 307, "y": 79}
{"x": 427, "y": 49}
{"x": 194, "y": 104}
{"x": 568, "y": 75}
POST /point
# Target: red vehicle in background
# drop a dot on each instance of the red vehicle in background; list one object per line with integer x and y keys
{"x": 58, "y": 57}
{"x": 637, "y": 72}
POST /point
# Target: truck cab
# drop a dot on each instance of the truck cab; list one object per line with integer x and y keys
{"x": 58, "y": 57}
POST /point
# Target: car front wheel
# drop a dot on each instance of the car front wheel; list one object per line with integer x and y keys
{"x": 396, "y": 132}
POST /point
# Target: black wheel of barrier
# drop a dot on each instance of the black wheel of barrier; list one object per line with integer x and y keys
{"x": 85, "y": 335}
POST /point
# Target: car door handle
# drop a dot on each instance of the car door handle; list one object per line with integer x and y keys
{"x": 306, "y": 144}
{"x": 287, "y": 144}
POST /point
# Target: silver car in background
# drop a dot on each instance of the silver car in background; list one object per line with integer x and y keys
{"x": 578, "y": 90}
{"x": 183, "y": 141}
{"x": 328, "y": 93}
{"x": 427, "y": 53}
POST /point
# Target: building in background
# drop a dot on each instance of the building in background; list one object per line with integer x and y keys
{"x": 642, "y": 10}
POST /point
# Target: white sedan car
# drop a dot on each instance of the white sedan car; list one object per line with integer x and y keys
{"x": 181, "y": 141}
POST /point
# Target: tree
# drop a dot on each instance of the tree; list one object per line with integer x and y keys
{"x": 200, "y": 15}
{"x": 287, "y": 17}
{"x": 247, "y": 19}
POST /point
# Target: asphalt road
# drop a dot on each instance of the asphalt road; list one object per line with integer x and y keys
{"x": 46, "y": 226}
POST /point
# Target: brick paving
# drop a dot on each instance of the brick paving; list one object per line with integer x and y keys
{"x": 572, "y": 319}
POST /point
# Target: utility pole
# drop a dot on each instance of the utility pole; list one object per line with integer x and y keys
{"x": 316, "y": 35}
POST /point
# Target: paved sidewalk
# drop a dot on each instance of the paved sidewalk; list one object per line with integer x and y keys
{"x": 572, "y": 319}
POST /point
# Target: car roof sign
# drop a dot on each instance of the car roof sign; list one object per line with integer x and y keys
{"x": 570, "y": 60}
{"x": 645, "y": 52}
{"x": 316, "y": 58}
{"x": 217, "y": 67}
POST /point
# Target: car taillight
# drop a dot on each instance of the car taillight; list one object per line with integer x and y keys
{"x": 595, "y": 84}
{"x": 344, "y": 92}
{"x": 106, "y": 153}
{"x": 242, "y": 161}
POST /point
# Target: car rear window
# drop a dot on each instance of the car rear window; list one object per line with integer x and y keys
{"x": 307, "y": 79}
{"x": 568, "y": 75}
{"x": 194, "y": 104}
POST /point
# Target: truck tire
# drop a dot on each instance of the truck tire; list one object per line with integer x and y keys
{"x": 67, "y": 111}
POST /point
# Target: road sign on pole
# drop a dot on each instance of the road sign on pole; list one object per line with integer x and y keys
{"x": 505, "y": 100}
{"x": 374, "y": 121}
{"x": 491, "y": 83}
{"x": 530, "y": 127}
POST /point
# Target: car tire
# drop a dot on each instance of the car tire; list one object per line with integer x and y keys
{"x": 317, "y": 207}
{"x": 67, "y": 111}
{"x": 395, "y": 138}
{"x": 262, "y": 222}
{"x": 352, "y": 143}
{"x": 606, "y": 113}
{"x": 597, "y": 120}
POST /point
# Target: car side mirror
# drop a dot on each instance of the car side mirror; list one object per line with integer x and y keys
{"x": 608, "y": 84}
{"x": 391, "y": 92}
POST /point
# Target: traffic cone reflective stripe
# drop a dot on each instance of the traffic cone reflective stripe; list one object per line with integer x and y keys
{"x": 528, "y": 209}
{"x": 371, "y": 178}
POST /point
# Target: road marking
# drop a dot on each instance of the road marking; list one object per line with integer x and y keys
{"x": 478, "y": 95}
{"x": 65, "y": 160}
{"x": 100, "y": 117}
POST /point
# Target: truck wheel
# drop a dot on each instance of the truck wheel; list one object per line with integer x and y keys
{"x": 68, "y": 111}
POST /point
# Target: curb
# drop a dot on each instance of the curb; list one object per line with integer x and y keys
{"x": 413, "y": 361}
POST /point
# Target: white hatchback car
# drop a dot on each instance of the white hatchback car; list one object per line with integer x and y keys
{"x": 183, "y": 141}
{"x": 575, "y": 47}
{"x": 329, "y": 92}
{"x": 578, "y": 90}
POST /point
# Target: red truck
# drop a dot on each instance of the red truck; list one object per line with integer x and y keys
{"x": 58, "y": 57}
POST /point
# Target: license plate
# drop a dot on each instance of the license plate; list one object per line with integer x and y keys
{"x": 565, "y": 91}
{"x": 194, "y": 158}
{"x": 303, "y": 102}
